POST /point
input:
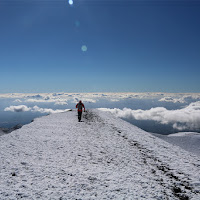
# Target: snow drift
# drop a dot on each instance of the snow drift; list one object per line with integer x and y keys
{"x": 104, "y": 157}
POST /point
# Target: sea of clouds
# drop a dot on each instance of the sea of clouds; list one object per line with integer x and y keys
{"x": 186, "y": 114}
{"x": 24, "y": 108}
{"x": 181, "y": 119}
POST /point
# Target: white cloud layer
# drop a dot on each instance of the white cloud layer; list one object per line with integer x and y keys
{"x": 61, "y": 103}
{"x": 180, "y": 98}
{"x": 94, "y": 97}
{"x": 173, "y": 100}
{"x": 17, "y": 101}
{"x": 48, "y": 100}
{"x": 20, "y": 108}
{"x": 23, "y": 108}
{"x": 185, "y": 118}
{"x": 47, "y": 110}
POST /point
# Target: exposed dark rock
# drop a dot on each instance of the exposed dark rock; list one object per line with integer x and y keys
{"x": 13, "y": 174}
{"x": 9, "y": 130}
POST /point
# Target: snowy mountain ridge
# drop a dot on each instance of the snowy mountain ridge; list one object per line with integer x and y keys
{"x": 104, "y": 157}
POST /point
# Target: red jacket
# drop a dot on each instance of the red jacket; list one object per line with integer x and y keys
{"x": 80, "y": 106}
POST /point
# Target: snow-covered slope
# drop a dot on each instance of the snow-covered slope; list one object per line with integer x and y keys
{"x": 104, "y": 157}
{"x": 189, "y": 141}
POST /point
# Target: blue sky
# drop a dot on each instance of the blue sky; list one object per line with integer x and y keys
{"x": 132, "y": 46}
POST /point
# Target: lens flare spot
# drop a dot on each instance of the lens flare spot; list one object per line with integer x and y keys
{"x": 71, "y": 2}
{"x": 77, "y": 23}
{"x": 84, "y": 48}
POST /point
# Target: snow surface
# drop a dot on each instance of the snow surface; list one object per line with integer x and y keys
{"x": 104, "y": 157}
{"x": 190, "y": 141}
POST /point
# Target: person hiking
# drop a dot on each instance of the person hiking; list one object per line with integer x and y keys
{"x": 80, "y": 107}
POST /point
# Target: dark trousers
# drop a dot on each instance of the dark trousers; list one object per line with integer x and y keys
{"x": 79, "y": 115}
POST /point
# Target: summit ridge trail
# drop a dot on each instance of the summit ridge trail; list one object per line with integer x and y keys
{"x": 103, "y": 157}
